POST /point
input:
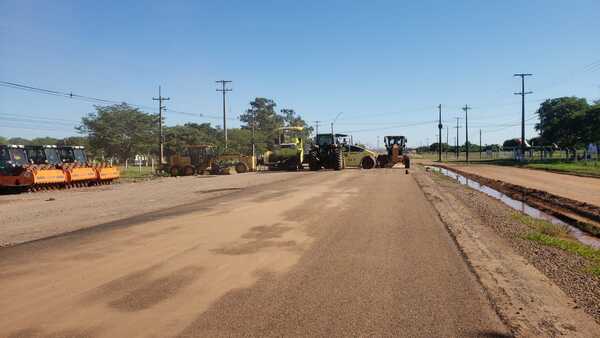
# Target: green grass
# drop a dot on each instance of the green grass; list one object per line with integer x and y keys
{"x": 135, "y": 174}
{"x": 591, "y": 168}
{"x": 557, "y": 236}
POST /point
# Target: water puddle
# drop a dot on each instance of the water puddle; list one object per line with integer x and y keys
{"x": 580, "y": 235}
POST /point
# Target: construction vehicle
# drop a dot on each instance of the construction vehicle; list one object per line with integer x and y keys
{"x": 326, "y": 152}
{"x": 81, "y": 172}
{"x": 288, "y": 152}
{"x": 192, "y": 160}
{"x": 356, "y": 156}
{"x": 396, "y": 152}
{"x": 42, "y": 167}
{"x": 202, "y": 159}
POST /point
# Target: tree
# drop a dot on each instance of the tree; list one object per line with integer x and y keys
{"x": 291, "y": 119}
{"x": 591, "y": 122}
{"x": 19, "y": 140}
{"x": 562, "y": 120}
{"x": 3, "y": 140}
{"x": 120, "y": 131}
{"x": 262, "y": 112}
{"x": 40, "y": 141}
{"x": 177, "y": 137}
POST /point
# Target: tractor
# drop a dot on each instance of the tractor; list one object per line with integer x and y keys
{"x": 396, "y": 152}
{"x": 327, "y": 152}
{"x": 288, "y": 152}
{"x": 193, "y": 159}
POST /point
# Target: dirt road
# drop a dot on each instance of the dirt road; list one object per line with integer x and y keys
{"x": 584, "y": 189}
{"x": 354, "y": 253}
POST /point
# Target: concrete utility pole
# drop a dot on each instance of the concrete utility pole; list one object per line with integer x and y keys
{"x": 447, "y": 144}
{"x": 523, "y": 93}
{"x": 466, "y": 109}
{"x": 480, "y": 144}
{"x": 224, "y": 90}
{"x": 161, "y": 137}
{"x": 253, "y": 131}
{"x": 440, "y": 134}
{"x": 457, "y": 146}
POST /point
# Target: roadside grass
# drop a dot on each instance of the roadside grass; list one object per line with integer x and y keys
{"x": 591, "y": 168}
{"x": 557, "y": 236}
{"x": 133, "y": 174}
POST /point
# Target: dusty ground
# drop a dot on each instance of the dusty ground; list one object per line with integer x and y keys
{"x": 533, "y": 286}
{"x": 31, "y": 216}
{"x": 354, "y": 253}
{"x": 584, "y": 189}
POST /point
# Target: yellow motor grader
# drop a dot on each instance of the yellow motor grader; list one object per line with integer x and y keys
{"x": 202, "y": 159}
{"x": 396, "y": 152}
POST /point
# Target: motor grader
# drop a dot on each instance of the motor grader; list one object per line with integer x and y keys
{"x": 288, "y": 152}
{"x": 396, "y": 152}
{"x": 327, "y": 152}
{"x": 202, "y": 159}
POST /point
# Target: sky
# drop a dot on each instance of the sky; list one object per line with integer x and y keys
{"x": 385, "y": 65}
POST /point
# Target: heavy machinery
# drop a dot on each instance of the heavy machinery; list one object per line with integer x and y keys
{"x": 42, "y": 167}
{"x": 81, "y": 172}
{"x": 193, "y": 159}
{"x": 288, "y": 152}
{"x": 203, "y": 159}
{"x": 396, "y": 152}
{"x": 356, "y": 156}
{"x": 327, "y": 152}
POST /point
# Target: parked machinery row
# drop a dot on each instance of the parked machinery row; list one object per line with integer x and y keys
{"x": 43, "y": 167}
{"x": 331, "y": 151}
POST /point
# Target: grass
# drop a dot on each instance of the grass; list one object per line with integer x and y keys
{"x": 132, "y": 174}
{"x": 557, "y": 236}
{"x": 591, "y": 168}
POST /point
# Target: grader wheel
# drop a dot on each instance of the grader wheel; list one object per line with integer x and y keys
{"x": 241, "y": 168}
{"x": 188, "y": 170}
{"x": 174, "y": 171}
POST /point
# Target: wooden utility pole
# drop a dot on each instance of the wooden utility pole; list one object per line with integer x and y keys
{"x": 457, "y": 145}
{"x": 224, "y": 90}
{"x": 161, "y": 137}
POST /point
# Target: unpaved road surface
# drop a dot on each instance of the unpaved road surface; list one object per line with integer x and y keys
{"x": 584, "y": 189}
{"x": 352, "y": 253}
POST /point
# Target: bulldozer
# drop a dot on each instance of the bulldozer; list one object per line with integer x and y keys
{"x": 327, "y": 152}
{"x": 396, "y": 152}
{"x": 288, "y": 152}
{"x": 202, "y": 159}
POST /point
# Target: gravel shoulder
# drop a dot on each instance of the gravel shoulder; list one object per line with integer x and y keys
{"x": 538, "y": 290}
{"x": 31, "y": 216}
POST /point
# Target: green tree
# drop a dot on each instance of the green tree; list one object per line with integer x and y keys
{"x": 120, "y": 131}
{"x": 19, "y": 140}
{"x": 591, "y": 123}
{"x": 3, "y": 140}
{"x": 291, "y": 119}
{"x": 40, "y": 141}
{"x": 562, "y": 121}
{"x": 262, "y": 112}
{"x": 177, "y": 137}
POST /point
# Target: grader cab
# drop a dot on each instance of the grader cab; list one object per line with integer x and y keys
{"x": 396, "y": 152}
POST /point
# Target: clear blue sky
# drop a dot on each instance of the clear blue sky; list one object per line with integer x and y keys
{"x": 384, "y": 64}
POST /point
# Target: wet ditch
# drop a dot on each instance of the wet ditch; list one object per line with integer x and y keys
{"x": 537, "y": 204}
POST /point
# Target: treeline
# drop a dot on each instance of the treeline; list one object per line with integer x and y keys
{"x": 566, "y": 122}
{"x": 121, "y": 131}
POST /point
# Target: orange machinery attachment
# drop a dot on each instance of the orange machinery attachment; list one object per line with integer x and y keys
{"x": 80, "y": 171}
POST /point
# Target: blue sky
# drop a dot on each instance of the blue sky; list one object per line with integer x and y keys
{"x": 385, "y": 64}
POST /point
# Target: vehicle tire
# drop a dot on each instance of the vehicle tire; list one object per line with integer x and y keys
{"x": 241, "y": 168}
{"x": 314, "y": 164}
{"x": 174, "y": 171}
{"x": 188, "y": 170}
{"x": 339, "y": 159}
{"x": 407, "y": 162}
{"x": 367, "y": 163}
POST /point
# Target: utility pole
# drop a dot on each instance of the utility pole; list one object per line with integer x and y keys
{"x": 317, "y": 127}
{"x": 224, "y": 90}
{"x": 253, "y": 134}
{"x": 457, "y": 147}
{"x": 447, "y": 144}
{"x": 378, "y": 142}
{"x": 466, "y": 109}
{"x": 161, "y": 137}
{"x": 523, "y": 93}
{"x": 480, "y": 144}
{"x": 440, "y": 134}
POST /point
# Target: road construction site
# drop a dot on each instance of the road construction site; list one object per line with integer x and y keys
{"x": 327, "y": 253}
